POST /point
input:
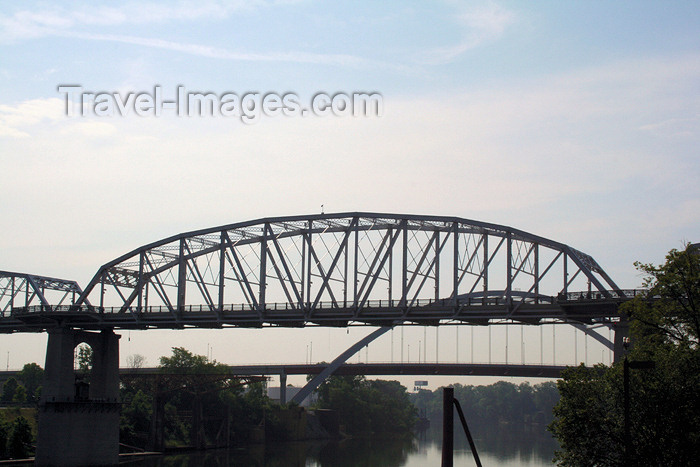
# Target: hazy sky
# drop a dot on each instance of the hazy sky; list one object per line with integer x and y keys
{"x": 577, "y": 121}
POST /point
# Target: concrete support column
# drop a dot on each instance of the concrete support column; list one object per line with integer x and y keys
{"x": 59, "y": 377}
{"x": 73, "y": 431}
{"x": 283, "y": 388}
{"x": 104, "y": 381}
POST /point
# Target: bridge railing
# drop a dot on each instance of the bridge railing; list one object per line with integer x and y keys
{"x": 624, "y": 294}
{"x": 475, "y": 300}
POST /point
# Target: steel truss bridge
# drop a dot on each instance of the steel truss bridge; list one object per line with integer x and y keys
{"x": 327, "y": 270}
{"x": 337, "y": 270}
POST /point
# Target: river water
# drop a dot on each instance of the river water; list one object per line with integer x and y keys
{"x": 497, "y": 446}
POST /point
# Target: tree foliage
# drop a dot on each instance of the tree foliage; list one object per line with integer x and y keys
{"x": 664, "y": 401}
{"x": 368, "y": 406}
{"x": 499, "y": 403}
{"x": 670, "y": 311}
{"x": 9, "y": 389}
{"x": 84, "y": 358}
{"x": 192, "y": 385}
{"x": 135, "y": 361}
{"x": 32, "y": 376}
{"x": 19, "y": 443}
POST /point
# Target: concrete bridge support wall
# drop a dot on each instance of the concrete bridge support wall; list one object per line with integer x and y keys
{"x": 74, "y": 430}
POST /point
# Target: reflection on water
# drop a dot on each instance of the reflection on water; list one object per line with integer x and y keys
{"x": 502, "y": 446}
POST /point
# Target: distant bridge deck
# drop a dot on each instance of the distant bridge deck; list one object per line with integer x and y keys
{"x": 369, "y": 369}
{"x": 386, "y": 369}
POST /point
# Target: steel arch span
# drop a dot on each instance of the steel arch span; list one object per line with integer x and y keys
{"x": 342, "y": 269}
{"x": 335, "y": 269}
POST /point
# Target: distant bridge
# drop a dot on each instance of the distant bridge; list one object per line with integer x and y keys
{"x": 385, "y": 369}
{"x": 373, "y": 369}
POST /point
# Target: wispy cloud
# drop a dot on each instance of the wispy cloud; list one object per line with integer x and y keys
{"x": 479, "y": 25}
{"x": 30, "y": 24}
{"x": 225, "y": 54}
{"x": 59, "y": 22}
{"x": 674, "y": 127}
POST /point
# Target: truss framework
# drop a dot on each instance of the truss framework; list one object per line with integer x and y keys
{"x": 19, "y": 290}
{"x": 336, "y": 269}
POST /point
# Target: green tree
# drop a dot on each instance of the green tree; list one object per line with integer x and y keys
{"x": 19, "y": 443}
{"x": 9, "y": 389}
{"x": 391, "y": 410}
{"x": 664, "y": 401}
{"x": 20, "y": 396}
{"x": 4, "y": 434}
{"x": 346, "y": 394}
{"x": 369, "y": 406}
{"x": 670, "y": 312}
{"x": 84, "y": 358}
{"x": 32, "y": 376}
{"x": 135, "y": 418}
{"x": 185, "y": 362}
{"x": 194, "y": 383}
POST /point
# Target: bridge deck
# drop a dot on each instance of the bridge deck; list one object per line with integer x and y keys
{"x": 375, "y": 313}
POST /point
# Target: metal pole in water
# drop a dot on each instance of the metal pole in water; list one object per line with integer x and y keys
{"x": 448, "y": 395}
{"x": 467, "y": 432}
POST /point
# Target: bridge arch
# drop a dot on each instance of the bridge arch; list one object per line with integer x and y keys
{"x": 351, "y": 268}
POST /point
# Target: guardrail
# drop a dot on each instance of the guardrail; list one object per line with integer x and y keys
{"x": 475, "y": 300}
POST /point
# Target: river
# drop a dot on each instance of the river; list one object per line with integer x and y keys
{"x": 499, "y": 446}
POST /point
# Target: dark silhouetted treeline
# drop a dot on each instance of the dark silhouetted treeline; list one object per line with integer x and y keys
{"x": 498, "y": 403}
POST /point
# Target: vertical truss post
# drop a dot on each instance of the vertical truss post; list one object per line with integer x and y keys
{"x": 356, "y": 279}
{"x": 404, "y": 275}
{"x": 302, "y": 285}
{"x": 263, "y": 267}
{"x": 308, "y": 264}
{"x": 455, "y": 264}
{"x": 509, "y": 269}
{"x": 391, "y": 267}
{"x": 537, "y": 273}
{"x": 139, "y": 299}
{"x": 486, "y": 266}
{"x": 566, "y": 273}
{"x": 182, "y": 277}
{"x": 102, "y": 291}
{"x": 222, "y": 268}
{"x": 437, "y": 265}
{"x": 345, "y": 271}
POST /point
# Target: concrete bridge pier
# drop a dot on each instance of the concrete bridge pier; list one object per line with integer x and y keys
{"x": 283, "y": 387}
{"x": 78, "y": 429}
